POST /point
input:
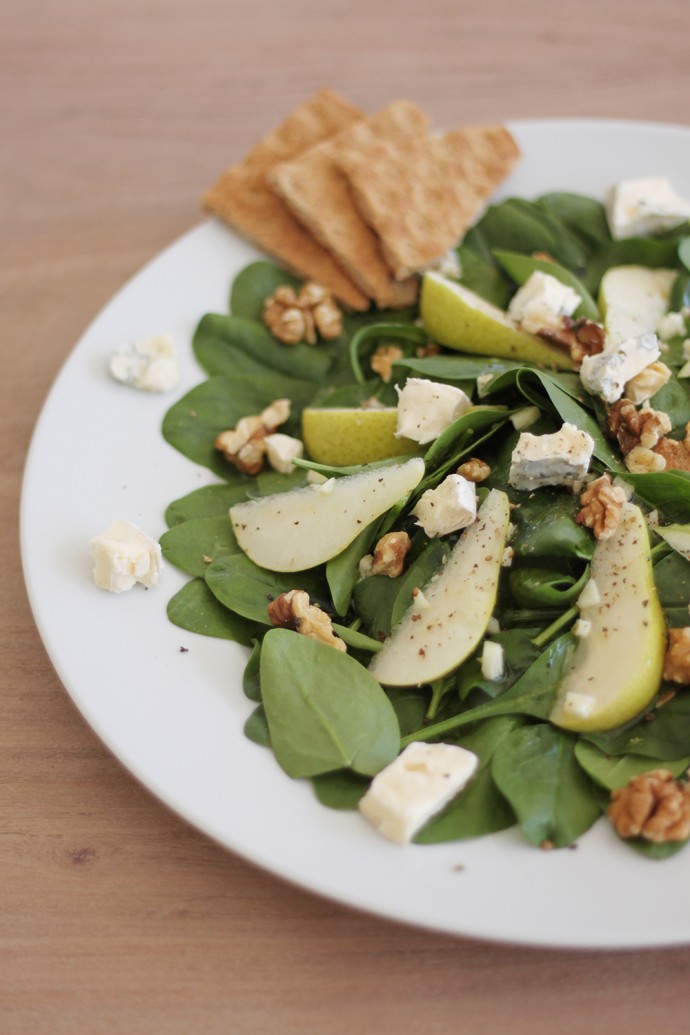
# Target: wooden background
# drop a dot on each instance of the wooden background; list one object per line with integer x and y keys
{"x": 114, "y": 915}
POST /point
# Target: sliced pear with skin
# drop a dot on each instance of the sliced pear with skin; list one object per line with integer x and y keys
{"x": 632, "y": 300}
{"x": 616, "y": 669}
{"x": 449, "y": 617}
{"x": 461, "y": 319}
{"x": 677, "y": 537}
{"x": 292, "y": 531}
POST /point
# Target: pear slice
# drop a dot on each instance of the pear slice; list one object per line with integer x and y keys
{"x": 461, "y": 319}
{"x": 632, "y": 300}
{"x": 341, "y": 436}
{"x": 292, "y": 531}
{"x": 616, "y": 669}
{"x": 449, "y": 617}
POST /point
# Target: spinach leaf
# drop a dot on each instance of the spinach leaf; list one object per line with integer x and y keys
{"x": 585, "y": 217}
{"x": 481, "y": 275}
{"x": 340, "y": 790}
{"x": 251, "y": 681}
{"x": 256, "y": 728}
{"x": 611, "y": 771}
{"x": 525, "y": 226}
{"x": 533, "y": 694}
{"x": 667, "y": 490}
{"x": 218, "y": 339}
{"x": 247, "y": 589}
{"x": 342, "y": 572}
{"x": 427, "y": 564}
{"x": 455, "y": 368}
{"x": 208, "y": 502}
{"x": 666, "y": 737}
{"x": 545, "y": 526}
{"x": 672, "y": 580}
{"x": 519, "y": 653}
{"x": 194, "y": 544}
{"x": 195, "y": 609}
{"x": 377, "y": 332}
{"x": 481, "y": 808}
{"x": 536, "y": 770}
{"x": 252, "y": 286}
{"x": 192, "y": 424}
{"x": 325, "y": 711}
{"x": 521, "y": 267}
{"x": 374, "y": 599}
{"x": 542, "y": 587}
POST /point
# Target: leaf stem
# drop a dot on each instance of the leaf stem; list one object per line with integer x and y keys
{"x": 560, "y": 623}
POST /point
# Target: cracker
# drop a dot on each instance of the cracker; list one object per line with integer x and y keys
{"x": 242, "y": 198}
{"x": 421, "y": 193}
{"x": 319, "y": 195}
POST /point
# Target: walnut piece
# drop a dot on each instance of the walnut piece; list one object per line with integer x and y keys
{"x": 601, "y": 507}
{"x": 292, "y": 610}
{"x": 293, "y": 317}
{"x": 648, "y": 382}
{"x": 677, "y": 660}
{"x": 633, "y": 427}
{"x": 653, "y": 806}
{"x": 641, "y": 460}
{"x": 390, "y": 553}
{"x": 474, "y": 470}
{"x": 383, "y": 359}
{"x": 581, "y": 337}
{"x": 244, "y": 446}
{"x": 675, "y": 454}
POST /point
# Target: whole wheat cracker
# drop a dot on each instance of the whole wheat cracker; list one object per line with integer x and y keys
{"x": 319, "y": 195}
{"x": 420, "y": 194}
{"x": 242, "y": 198}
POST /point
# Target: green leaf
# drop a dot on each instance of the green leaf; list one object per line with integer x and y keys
{"x": 192, "y": 424}
{"x": 542, "y": 587}
{"x": 256, "y": 727}
{"x": 218, "y": 339}
{"x": 684, "y": 252}
{"x": 254, "y": 284}
{"x": 545, "y": 526}
{"x": 381, "y": 333}
{"x": 195, "y": 609}
{"x": 521, "y": 267}
{"x": 525, "y": 226}
{"x": 208, "y": 502}
{"x": 480, "y": 809}
{"x": 341, "y": 790}
{"x": 247, "y": 589}
{"x": 325, "y": 712}
{"x": 669, "y": 491}
{"x": 481, "y": 275}
{"x": 533, "y": 694}
{"x": 251, "y": 682}
{"x": 417, "y": 575}
{"x": 342, "y": 572}
{"x": 194, "y": 544}
{"x": 584, "y": 216}
{"x": 666, "y": 737}
{"x": 611, "y": 771}
{"x": 536, "y": 770}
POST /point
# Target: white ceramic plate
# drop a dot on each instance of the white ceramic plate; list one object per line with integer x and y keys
{"x": 175, "y": 719}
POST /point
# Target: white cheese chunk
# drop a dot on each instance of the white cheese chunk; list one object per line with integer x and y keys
{"x": 151, "y": 365}
{"x": 413, "y": 788}
{"x": 281, "y": 450}
{"x": 578, "y": 704}
{"x": 671, "y": 325}
{"x": 425, "y": 409}
{"x": 647, "y": 205}
{"x": 590, "y": 595}
{"x": 493, "y": 662}
{"x": 450, "y": 506}
{"x": 124, "y": 555}
{"x": 582, "y": 628}
{"x": 542, "y": 302}
{"x": 606, "y": 374}
{"x": 559, "y": 459}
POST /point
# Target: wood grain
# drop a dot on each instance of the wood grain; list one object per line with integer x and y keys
{"x": 114, "y": 915}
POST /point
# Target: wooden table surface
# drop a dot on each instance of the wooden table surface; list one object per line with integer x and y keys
{"x": 115, "y": 916}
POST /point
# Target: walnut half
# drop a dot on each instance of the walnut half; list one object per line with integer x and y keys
{"x": 302, "y": 316}
{"x": 244, "y": 445}
{"x": 292, "y": 610}
{"x": 601, "y": 507}
{"x": 390, "y": 553}
{"x": 677, "y": 660}
{"x": 653, "y": 806}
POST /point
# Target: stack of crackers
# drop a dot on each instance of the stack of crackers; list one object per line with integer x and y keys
{"x": 362, "y": 203}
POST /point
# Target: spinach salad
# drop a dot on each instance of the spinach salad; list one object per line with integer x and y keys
{"x": 321, "y": 711}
